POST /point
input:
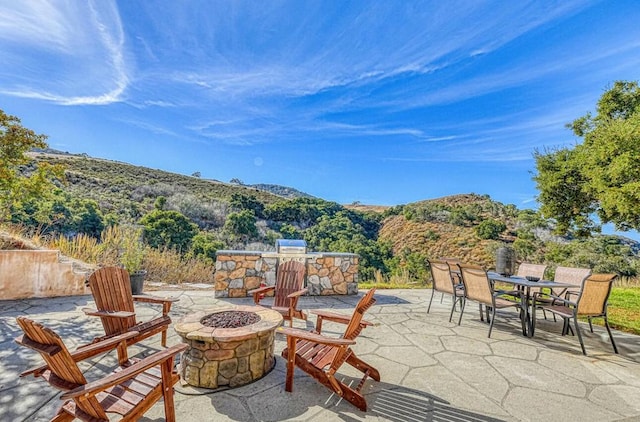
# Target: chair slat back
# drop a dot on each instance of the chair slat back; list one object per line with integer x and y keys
{"x": 534, "y": 270}
{"x": 571, "y": 275}
{"x": 64, "y": 370}
{"x": 477, "y": 286}
{"x": 594, "y": 294}
{"x": 289, "y": 279}
{"x": 111, "y": 290}
{"x": 441, "y": 274}
{"x": 354, "y": 328}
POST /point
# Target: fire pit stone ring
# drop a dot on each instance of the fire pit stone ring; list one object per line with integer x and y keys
{"x": 231, "y": 357}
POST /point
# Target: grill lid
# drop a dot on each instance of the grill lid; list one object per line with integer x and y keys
{"x": 292, "y": 246}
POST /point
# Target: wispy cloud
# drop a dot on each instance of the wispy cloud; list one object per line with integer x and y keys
{"x": 91, "y": 67}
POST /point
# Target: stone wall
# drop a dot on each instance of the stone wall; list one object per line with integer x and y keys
{"x": 327, "y": 273}
{"x": 38, "y": 273}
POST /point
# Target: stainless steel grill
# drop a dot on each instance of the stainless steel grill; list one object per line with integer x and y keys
{"x": 291, "y": 246}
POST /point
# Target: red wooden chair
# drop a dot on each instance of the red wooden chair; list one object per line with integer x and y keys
{"x": 129, "y": 391}
{"x": 111, "y": 290}
{"x": 288, "y": 289}
{"x": 321, "y": 356}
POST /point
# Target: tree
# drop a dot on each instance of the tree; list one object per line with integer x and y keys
{"x": 600, "y": 175}
{"x": 17, "y": 182}
{"x": 241, "y": 201}
{"x": 168, "y": 229}
{"x": 242, "y": 224}
{"x": 196, "y": 174}
{"x": 490, "y": 229}
{"x": 205, "y": 246}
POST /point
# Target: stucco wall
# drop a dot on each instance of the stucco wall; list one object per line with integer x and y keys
{"x": 27, "y": 273}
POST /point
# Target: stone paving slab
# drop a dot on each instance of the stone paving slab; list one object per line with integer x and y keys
{"x": 431, "y": 369}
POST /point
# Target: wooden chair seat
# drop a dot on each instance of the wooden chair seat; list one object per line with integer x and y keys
{"x": 129, "y": 391}
{"x": 321, "y": 356}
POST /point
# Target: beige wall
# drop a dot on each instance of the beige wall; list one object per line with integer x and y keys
{"x": 26, "y": 274}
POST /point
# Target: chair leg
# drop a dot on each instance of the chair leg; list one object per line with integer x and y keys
{"x": 167, "y": 391}
{"x": 533, "y": 318}
{"x": 493, "y": 318}
{"x": 462, "y": 305}
{"x": 62, "y": 416}
{"x": 590, "y": 325}
{"x": 363, "y": 367}
{"x": 481, "y": 314}
{"x": 613, "y": 343}
{"x": 565, "y": 326}
{"x": 433, "y": 292}
{"x": 575, "y": 320}
{"x": 453, "y": 308}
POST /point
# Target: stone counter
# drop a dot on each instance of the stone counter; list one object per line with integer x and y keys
{"x": 328, "y": 273}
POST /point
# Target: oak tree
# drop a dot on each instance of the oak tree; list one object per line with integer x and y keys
{"x": 601, "y": 175}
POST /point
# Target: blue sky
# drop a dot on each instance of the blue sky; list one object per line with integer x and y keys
{"x": 382, "y": 102}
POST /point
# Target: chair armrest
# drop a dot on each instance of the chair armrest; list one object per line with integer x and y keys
{"x": 87, "y": 351}
{"x": 509, "y": 295}
{"x": 298, "y": 293}
{"x": 339, "y": 318}
{"x": 127, "y": 373}
{"x": 154, "y": 299}
{"x": 508, "y": 292}
{"x": 259, "y": 290}
{"x": 553, "y": 298}
{"x": 316, "y": 338}
{"x": 108, "y": 314}
{"x": 570, "y": 293}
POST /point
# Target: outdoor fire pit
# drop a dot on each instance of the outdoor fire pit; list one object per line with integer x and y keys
{"x": 230, "y": 346}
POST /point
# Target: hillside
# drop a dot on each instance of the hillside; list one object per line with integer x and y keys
{"x": 130, "y": 191}
{"x": 441, "y": 227}
{"x": 445, "y": 227}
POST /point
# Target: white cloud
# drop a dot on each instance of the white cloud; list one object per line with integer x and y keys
{"x": 71, "y": 53}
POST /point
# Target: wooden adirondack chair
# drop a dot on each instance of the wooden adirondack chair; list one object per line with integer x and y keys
{"x": 322, "y": 356}
{"x": 288, "y": 289}
{"x": 129, "y": 391}
{"x": 111, "y": 291}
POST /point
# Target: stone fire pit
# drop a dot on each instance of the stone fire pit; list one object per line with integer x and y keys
{"x": 231, "y": 356}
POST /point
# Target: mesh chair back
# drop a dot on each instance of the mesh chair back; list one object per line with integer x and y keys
{"x": 595, "y": 294}
{"x": 534, "y": 270}
{"x": 570, "y": 275}
{"x": 476, "y": 283}
{"x": 441, "y": 274}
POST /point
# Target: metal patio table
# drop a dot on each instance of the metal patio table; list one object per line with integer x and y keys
{"x": 525, "y": 285}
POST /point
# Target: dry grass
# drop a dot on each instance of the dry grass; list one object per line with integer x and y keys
{"x": 170, "y": 267}
{"x": 162, "y": 266}
{"x": 400, "y": 281}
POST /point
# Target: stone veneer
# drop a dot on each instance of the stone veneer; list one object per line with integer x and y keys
{"x": 231, "y": 357}
{"x": 327, "y": 273}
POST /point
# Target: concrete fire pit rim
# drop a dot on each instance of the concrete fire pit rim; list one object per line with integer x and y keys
{"x": 191, "y": 328}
